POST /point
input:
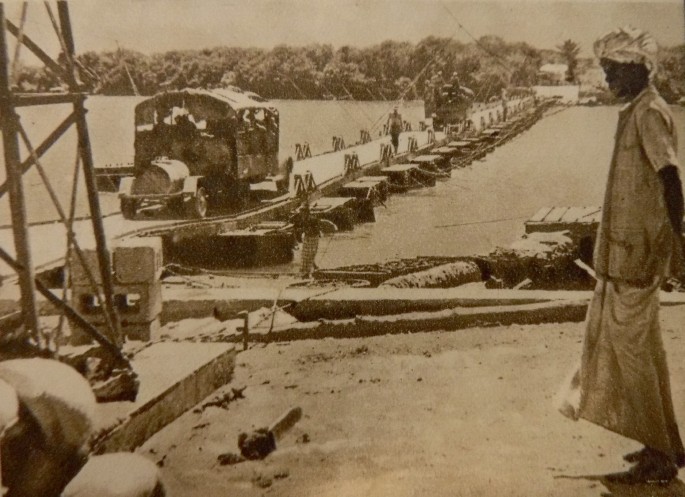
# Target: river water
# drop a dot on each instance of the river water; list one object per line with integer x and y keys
{"x": 562, "y": 160}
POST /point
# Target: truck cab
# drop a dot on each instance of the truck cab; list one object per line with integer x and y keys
{"x": 198, "y": 149}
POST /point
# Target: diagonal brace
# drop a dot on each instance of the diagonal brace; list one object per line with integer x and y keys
{"x": 43, "y": 147}
{"x": 70, "y": 233}
{"x": 38, "y": 52}
{"x": 70, "y": 312}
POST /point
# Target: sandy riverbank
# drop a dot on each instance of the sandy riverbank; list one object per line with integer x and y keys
{"x": 465, "y": 413}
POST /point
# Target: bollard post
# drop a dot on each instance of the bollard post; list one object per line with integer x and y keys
{"x": 246, "y": 327}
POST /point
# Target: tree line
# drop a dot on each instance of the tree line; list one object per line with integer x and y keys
{"x": 387, "y": 71}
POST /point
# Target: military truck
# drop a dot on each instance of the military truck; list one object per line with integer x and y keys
{"x": 199, "y": 149}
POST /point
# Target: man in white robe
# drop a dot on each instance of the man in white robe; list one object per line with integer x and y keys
{"x": 623, "y": 380}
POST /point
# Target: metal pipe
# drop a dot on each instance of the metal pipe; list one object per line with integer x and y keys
{"x": 89, "y": 177}
{"x": 16, "y": 192}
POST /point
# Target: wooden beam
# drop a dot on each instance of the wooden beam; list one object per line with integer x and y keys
{"x": 15, "y": 187}
{"x": 43, "y": 147}
{"x": 115, "y": 335}
{"x": 38, "y": 52}
{"x": 28, "y": 99}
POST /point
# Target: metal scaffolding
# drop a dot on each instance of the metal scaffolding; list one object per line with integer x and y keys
{"x": 67, "y": 69}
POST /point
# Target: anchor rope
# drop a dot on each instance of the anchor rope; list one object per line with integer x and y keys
{"x": 487, "y": 221}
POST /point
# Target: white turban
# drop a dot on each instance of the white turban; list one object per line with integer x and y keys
{"x": 626, "y": 45}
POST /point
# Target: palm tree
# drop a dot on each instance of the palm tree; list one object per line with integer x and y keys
{"x": 569, "y": 50}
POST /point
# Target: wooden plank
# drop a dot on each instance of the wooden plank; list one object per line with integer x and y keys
{"x": 328, "y": 203}
{"x": 573, "y": 215}
{"x": 28, "y": 99}
{"x": 426, "y": 158}
{"x": 540, "y": 215}
{"x": 591, "y": 215}
{"x": 373, "y": 179}
{"x": 555, "y": 215}
{"x": 399, "y": 168}
{"x": 362, "y": 184}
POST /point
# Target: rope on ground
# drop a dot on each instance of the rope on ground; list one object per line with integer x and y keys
{"x": 487, "y": 221}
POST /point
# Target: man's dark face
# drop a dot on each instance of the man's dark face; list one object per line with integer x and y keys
{"x": 625, "y": 80}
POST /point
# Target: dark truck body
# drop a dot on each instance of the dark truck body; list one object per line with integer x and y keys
{"x": 199, "y": 148}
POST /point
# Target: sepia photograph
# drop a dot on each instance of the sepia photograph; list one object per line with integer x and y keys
{"x": 342, "y": 248}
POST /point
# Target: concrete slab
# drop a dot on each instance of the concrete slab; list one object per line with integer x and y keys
{"x": 201, "y": 302}
{"x": 185, "y": 303}
{"x": 417, "y": 322}
{"x": 173, "y": 378}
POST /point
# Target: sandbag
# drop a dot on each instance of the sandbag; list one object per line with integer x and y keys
{"x": 56, "y": 411}
{"x": 120, "y": 474}
{"x": 57, "y": 396}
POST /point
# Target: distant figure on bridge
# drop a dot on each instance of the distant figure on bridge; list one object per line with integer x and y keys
{"x": 310, "y": 240}
{"x": 505, "y": 98}
{"x": 437, "y": 81}
{"x": 436, "y": 88}
{"x": 395, "y": 128}
{"x": 459, "y": 92}
{"x": 184, "y": 125}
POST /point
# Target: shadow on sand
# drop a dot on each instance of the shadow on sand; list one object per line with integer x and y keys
{"x": 675, "y": 488}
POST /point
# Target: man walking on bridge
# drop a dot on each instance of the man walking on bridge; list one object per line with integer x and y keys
{"x": 623, "y": 380}
{"x": 395, "y": 128}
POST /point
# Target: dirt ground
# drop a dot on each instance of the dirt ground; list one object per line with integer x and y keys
{"x": 464, "y": 413}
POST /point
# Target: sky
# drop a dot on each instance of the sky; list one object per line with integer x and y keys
{"x": 152, "y": 26}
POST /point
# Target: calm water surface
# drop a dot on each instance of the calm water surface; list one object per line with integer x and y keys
{"x": 562, "y": 160}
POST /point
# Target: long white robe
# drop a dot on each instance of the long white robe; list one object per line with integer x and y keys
{"x": 624, "y": 380}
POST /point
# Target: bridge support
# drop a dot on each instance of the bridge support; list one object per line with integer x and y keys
{"x": 12, "y": 129}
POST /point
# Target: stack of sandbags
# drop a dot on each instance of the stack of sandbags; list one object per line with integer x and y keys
{"x": 545, "y": 258}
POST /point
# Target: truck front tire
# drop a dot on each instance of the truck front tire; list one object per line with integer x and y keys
{"x": 129, "y": 207}
{"x": 196, "y": 207}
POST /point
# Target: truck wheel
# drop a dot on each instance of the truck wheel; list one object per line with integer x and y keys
{"x": 176, "y": 205}
{"x": 129, "y": 207}
{"x": 197, "y": 206}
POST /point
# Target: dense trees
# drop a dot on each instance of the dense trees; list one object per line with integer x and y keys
{"x": 569, "y": 50}
{"x": 385, "y": 71}
{"x": 669, "y": 78}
